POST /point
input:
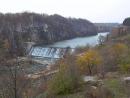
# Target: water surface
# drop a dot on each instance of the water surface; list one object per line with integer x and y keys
{"x": 79, "y": 41}
{"x": 49, "y": 52}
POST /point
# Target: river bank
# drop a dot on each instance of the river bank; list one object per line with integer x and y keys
{"x": 53, "y": 50}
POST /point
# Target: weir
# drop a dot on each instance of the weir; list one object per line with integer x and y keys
{"x": 50, "y": 52}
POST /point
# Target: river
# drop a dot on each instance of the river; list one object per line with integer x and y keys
{"x": 46, "y": 55}
{"x": 79, "y": 41}
{"x": 54, "y": 50}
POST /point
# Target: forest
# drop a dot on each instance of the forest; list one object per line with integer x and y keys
{"x": 100, "y": 71}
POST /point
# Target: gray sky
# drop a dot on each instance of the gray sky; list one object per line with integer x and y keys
{"x": 93, "y": 10}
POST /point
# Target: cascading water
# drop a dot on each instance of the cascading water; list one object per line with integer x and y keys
{"x": 49, "y": 52}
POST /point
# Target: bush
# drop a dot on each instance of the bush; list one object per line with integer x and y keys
{"x": 116, "y": 87}
{"x": 65, "y": 81}
{"x": 125, "y": 68}
{"x": 89, "y": 61}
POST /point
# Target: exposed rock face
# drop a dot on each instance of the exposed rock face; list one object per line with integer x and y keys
{"x": 105, "y": 27}
{"x": 122, "y": 29}
{"x": 44, "y": 28}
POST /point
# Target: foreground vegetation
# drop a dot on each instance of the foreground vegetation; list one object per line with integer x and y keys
{"x": 90, "y": 72}
{"x": 108, "y": 62}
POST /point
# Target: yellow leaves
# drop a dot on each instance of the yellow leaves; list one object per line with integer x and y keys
{"x": 119, "y": 48}
{"x": 88, "y": 60}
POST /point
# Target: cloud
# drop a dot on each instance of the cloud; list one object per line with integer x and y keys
{"x": 94, "y": 10}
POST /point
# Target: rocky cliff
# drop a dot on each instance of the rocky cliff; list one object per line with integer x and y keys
{"x": 105, "y": 27}
{"x": 43, "y": 28}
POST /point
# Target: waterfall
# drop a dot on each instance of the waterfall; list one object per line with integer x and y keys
{"x": 49, "y": 52}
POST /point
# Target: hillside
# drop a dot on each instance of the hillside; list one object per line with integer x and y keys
{"x": 101, "y": 71}
{"x": 42, "y": 28}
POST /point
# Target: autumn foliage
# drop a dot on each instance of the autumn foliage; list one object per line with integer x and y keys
{"x": 66, "y": 80}
{"x": 89, "y": 61}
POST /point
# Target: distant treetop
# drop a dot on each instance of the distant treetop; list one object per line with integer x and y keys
{"x": 126, "y": 22}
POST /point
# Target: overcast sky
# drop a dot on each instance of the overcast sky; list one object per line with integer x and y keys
{"x": 93, "y": 10}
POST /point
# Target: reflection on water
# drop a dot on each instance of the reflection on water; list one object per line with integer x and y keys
{"x": 79, "y": 41}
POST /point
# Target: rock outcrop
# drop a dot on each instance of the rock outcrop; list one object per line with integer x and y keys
{"x": 122, "y": 29}
{"x": 105, "y": 27}
{"x": 42, "y": 28}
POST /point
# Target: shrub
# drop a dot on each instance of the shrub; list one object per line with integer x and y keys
{"x": 88, "y": 61}
{"x": 65, "y": 81}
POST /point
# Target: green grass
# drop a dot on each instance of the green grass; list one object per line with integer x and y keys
{"x": 74, "y": 95}
{"x": 116, "y": 87}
